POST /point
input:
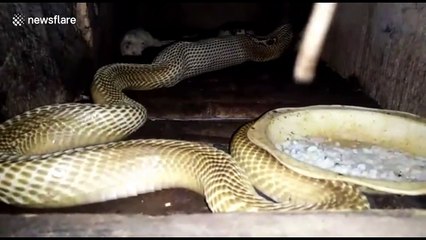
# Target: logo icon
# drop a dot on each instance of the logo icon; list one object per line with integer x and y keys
{"x": 18, "y": 19}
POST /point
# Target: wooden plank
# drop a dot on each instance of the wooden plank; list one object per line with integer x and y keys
{"x": 193, "y": 110}
{"x": 214, "y": 132}
{"x": 40, "y": 64}
{"x": 382, "y": 44}
{"x": 245, "y": 92}
{"x": 369, "y": 223}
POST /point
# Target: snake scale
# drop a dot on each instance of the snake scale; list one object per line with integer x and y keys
{"x": 71, "y": 154}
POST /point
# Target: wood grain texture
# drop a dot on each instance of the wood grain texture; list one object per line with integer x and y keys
{"x": 39, "y": 63}
{"x": 370, "y": 223}
{"x": 383, "y": 45}
{"x": 245, "y": 92}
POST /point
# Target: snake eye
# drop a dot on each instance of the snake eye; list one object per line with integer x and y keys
{"x": 271, "y": 41}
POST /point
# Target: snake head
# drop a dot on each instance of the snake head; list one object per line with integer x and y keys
{"x": 271, "y": 46}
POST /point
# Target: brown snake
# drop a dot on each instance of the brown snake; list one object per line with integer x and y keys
{"x": 72, "y": 154}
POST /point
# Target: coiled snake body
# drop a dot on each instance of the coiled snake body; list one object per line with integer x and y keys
{"x": 71, "y": 154}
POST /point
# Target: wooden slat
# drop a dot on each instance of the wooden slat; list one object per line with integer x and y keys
{"x": 244, "y": 92}
{"x": 215, "y": 132}
{"x": 371, "y": 223}
{"x": 383, "y": 45}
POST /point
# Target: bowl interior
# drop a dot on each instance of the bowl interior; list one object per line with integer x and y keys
{"x": 389, "y": 129}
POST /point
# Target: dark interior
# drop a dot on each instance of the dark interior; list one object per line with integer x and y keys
{"x": 210, "y": 107}
{"x": 170, "y": 20}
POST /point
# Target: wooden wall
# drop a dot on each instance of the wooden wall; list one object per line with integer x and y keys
{"x": 384, "y": 46}
{"x": 40, "y": 64}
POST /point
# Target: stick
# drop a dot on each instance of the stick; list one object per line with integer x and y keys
{"x": 312, "y": 41}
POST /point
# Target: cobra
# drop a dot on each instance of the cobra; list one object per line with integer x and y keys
{"x": 71, "y": 154}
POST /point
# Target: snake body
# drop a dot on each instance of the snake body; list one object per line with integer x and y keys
{"x": 72, "y": 154}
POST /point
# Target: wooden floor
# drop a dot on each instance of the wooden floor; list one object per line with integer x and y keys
{"x": 210, "y": 108}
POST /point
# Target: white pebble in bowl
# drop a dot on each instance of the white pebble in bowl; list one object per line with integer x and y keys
{"x": 362, "y": 161}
